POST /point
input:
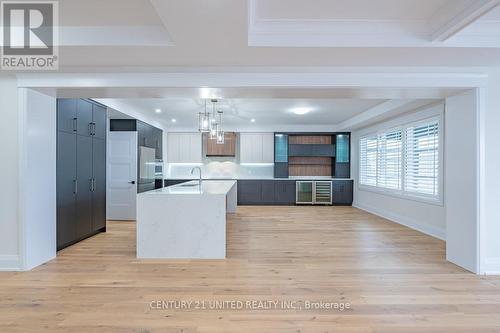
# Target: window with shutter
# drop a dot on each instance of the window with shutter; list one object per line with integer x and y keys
{"x": 422, "y": 159}
{"x": 403, "y": 161}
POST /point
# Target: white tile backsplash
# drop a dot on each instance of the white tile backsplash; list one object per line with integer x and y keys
{"x": 220, "y": 169}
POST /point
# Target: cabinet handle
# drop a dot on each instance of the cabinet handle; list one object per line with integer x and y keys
{"x": 92, "y": 128}
{"x": 75, "y": 124}
{"x": 92, "y": 184}
{"x": 75, "y": 186}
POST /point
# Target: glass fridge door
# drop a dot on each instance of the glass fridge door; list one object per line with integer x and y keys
{"x": 304, "y": 192}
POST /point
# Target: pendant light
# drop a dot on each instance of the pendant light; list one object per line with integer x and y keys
{"x": 220, "y": 132}
{"x": 213, "y": 122}
{"x": 204, "y": 123}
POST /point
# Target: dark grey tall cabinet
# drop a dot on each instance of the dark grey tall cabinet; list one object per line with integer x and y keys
{"x": 81, "y": 170}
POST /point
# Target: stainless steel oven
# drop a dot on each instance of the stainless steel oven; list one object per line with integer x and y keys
{"x": 159, "y": 169}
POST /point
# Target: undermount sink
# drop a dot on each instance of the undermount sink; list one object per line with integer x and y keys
{"x": 189, "y": 185}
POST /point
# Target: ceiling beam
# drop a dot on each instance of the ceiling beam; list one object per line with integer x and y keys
{"x": 159, "y": 8}
{"x": 452, "y": 19}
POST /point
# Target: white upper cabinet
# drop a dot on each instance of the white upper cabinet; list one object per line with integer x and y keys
{"x": 256, "y": 147}
{"x": 184, "y": 148}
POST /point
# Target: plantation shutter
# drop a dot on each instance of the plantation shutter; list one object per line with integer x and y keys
{"x": 368, "y": 161}
{"x": 422, "y": 159}
{"x": 389, "y": 160}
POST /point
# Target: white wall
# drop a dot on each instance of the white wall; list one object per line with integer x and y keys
{"x": 9, "y": 152}
{"x": 425, "y": 217}
{"x": 28, "y": 201}
{"x": 490, "y": 195}
{"x": 37, "y": 213}
{"x": 461, "y": 180}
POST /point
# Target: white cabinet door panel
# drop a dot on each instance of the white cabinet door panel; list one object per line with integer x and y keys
{"x": 245, "y": 148}
{"x": 256, "y": 147}
{"x": 195, "y": 148}
{"x": 184, "y": 148}
{"x": 268, "y": 148}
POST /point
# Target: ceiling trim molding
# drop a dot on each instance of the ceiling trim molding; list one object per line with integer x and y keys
{"x": 452, "y": 20}
{"x": 434, "y": 33}
{"x": 263, "y": 79}
{"x": 374, "y": 112}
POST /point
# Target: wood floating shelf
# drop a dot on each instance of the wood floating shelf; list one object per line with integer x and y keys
{"x": 310, "y": 161}
{"x": 309, "y": 170}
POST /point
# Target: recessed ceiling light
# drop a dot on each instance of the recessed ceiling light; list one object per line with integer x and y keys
{"x": 158, "y": 110}
{"x": 252, "y": 120}
{"x": 301, "y": 111}
{"x": 173, "y": 120}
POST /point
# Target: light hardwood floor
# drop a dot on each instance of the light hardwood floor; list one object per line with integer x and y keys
{"x": 396, "y": 280}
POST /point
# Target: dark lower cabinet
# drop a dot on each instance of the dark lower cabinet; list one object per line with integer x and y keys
{"x": 284, "y": 192}
{"x": 81, "y": 170}
{"x": 249, "y": 192}
{"x": 266, "y": 192}
{"x": 342, "y": 192}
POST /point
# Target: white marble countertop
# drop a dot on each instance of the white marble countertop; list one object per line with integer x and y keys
{"x": 185, "y": 222}
{"x": 192, "y": 187}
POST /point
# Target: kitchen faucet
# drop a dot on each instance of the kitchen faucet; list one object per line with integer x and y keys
{"x": 192, "y": 172}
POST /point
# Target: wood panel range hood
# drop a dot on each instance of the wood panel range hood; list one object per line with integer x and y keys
{"x": 228, "y": 149}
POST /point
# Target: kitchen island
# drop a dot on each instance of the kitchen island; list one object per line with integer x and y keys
{"x": 185, "y": 221}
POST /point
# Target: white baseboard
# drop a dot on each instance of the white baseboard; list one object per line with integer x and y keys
{"x": 491, "y": 266}
{"x": 10, "y": 263}
{"x": 404, "y": 220}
